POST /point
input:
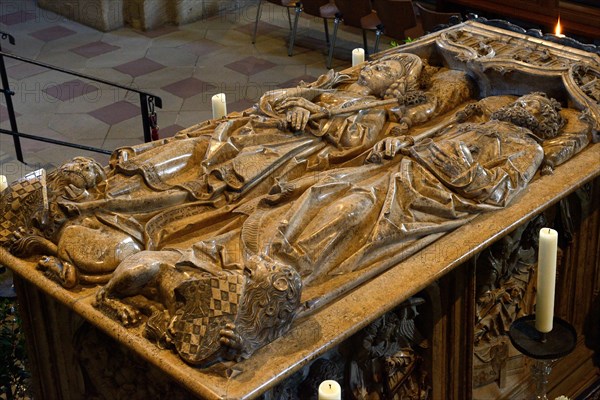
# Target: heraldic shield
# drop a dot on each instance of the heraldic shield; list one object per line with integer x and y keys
{"x": 207, "y": 305}
{"x": 20, "y": 201}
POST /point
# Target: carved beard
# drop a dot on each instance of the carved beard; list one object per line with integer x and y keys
{"x": 544, "y": 127}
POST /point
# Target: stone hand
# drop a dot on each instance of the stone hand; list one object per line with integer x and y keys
{"x": 292, "y": 102}
{"x": 232, "y": 341}
{"x": 386, "y": 148}
{"x": 298, "y": 111}
{"x": 453, "y": 160}
{"x": 297, "y": 118}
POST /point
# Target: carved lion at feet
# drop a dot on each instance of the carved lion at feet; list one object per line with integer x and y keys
{"x": 205, "y": 317}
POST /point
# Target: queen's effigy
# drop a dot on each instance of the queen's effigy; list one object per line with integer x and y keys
{"x": 237, "y": 252}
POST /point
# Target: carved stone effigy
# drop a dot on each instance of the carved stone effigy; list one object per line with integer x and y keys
{"x": 220, "y": 247}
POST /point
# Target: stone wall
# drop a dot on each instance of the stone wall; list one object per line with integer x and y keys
{"x": 106, "y": 15}
{"x": 147, "y": 14}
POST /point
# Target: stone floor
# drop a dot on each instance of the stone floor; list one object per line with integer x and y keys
{"x": 184, "y": 65}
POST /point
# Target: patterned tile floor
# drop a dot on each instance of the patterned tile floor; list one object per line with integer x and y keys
{"x": 184, "y": 65}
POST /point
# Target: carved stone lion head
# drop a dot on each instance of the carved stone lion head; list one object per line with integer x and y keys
{"x": 269, "y": 304}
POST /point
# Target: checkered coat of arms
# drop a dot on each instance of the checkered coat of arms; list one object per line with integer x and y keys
{"x": 207, "y": 305}
{"x": 20, "y": 201}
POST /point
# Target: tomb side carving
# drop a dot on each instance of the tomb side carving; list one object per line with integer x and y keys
{"x": 384, "y": 360}
{"x": 505, "y": 292}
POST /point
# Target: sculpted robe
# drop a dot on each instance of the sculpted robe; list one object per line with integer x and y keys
{"x": 347, "y": 219}
{"x": 226, "y": 159}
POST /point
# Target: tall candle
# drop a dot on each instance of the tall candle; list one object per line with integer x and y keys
{"x": 219, "y": 105}
{"x": 330, "y": 390}
{"x": 546, "y": 280}
{"x": 358, "y": 56}
{"x": 3, "y": 183}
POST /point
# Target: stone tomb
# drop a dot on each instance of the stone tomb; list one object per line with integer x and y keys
{"x": 405, "y": 286}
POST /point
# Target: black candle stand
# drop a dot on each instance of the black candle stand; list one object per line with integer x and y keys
{"x": 542, "y": 347}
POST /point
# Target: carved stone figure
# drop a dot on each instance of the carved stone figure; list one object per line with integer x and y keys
{"x": 382, "y": 361}
{"x": 504, "y": 293}
{"x": 315, "y": 226}
{"x": 205, "y": 317}
{"x": 311, "y": 186}
{"x": 385, "y": 361}
{"x": 35, "y": 222}
{"x": 348, "y": 219}
{"x": 290, "y": 133}
{"x": 588, "y": 80}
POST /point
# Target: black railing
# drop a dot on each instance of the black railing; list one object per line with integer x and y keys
{"x": 147, "y": 103}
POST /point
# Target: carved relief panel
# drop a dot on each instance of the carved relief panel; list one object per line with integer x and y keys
{"x": 504, "y": 292}
{"x": 389, "y": 359}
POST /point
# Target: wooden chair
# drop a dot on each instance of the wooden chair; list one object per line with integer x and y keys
{"x": 284, "y": 3}
{"x": 432, "y": 19}
{"x": 396, "y": 16}
{"x": 359, "y": 14}
{"x": 316, "y": 8}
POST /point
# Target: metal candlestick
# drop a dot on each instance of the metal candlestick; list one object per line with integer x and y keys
{"x": 544, "y": 348}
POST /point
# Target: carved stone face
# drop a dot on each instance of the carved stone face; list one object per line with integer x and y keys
{"x": 380, "y": 75}
{"x": 534, "y": 112}
{"x": 82, "y": 172}
{"x": 532, "y": 104}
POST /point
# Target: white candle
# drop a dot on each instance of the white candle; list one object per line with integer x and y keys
{"x": 330, "y": 390}
{"x": 546, "y": 280}
{"x": 219, "y": 105}
{"x": 3, "y": 183}
{"x": 358, "y": 56}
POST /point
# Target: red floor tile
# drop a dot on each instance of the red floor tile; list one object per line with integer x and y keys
{"x": 115, "y": 113}
{"x": 94, "y": 49}
{"x": 17, "y": 17}
{"x": 33, "y": 146}
{"x": 70, "y": 90}
{"x": 188, "y": 87}
{"x": 53, "y": 33}
{"x": 24, "y": 70}
{"x": 4, "y": 116}
{"x": 141, "y": 66}
{"x": 240, "y": 105}
{"x": 169, "y": 130}
{"x": 250, "y": 65}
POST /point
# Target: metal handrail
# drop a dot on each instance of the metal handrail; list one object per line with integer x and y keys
{"x": 80, "y": 75}
{"x": 147, "y": 103}
{"x": 54, "y": 141}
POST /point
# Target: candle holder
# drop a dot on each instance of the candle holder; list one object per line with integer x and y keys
{"x": 544, "y": 348}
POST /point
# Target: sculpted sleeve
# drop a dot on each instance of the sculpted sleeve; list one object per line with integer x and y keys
{"x": 489, "y": 163}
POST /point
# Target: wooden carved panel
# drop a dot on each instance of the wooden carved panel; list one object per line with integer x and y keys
{"x": 505, "y": 290}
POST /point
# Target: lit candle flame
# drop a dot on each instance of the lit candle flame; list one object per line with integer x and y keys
{"x": 558, "y": 30}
